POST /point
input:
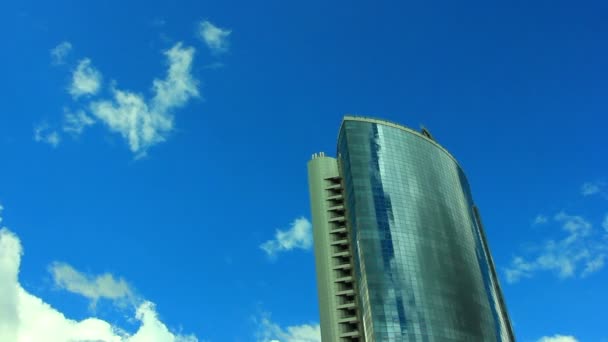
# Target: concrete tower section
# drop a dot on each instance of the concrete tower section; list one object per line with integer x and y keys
{"x": 401, "y": 253}
{"x": 332, "y": 244}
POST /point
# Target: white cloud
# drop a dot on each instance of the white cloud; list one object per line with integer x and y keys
{"x": 75, "y": 123}
{"x": 10, "y": 254}
{"x": 178, "y": 86}
{"x": 558, "y": 338}
{"x": 91, "y": 287}
{"x": 299, "y": 235}
{"x": 577, "y": 226}
{"x": 593, "y": 265}
{"x": 269, "y": 331}
{"x": 60, "y": 52}
{"x": 540, "y": 219}
{"x": 146, "y": 123}
{"x": 519, "y": 269}
{"x": 578, "y": 249}
{"x": 25, "y": 317}
{"x": 215, "y": 37}
{"x": 86, "y": 80}
{"x": 43, "y": 133}
{"x": 591, "y": 188}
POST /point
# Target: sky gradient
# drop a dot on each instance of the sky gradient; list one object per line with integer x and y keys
{"x": 153, "y": 155}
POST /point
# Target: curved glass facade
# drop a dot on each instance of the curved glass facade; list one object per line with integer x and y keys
{"x": 422, "y": 266}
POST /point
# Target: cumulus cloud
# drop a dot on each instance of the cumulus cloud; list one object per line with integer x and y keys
{"x": 577, "y": 249}
{"x": 75, "y": 123}
{"x": 299, "y": 235}
{"x": 86, "y": 80}
{"x": 144, "y": 123}
{"x": 540, "y": 219}
{"x": 215, "y": 38}
{"x": 44, "y": 134}
{"x": 269, "y": 331}
{"x": 25, "y": 317}
{"x": 10, "y": 254}
{"x": 591, "y": 188}
{"x": 558, "y": 338}
{"x": 60, "y": 52}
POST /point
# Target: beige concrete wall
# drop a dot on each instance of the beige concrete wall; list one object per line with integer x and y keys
{"x": 319, "y": 169}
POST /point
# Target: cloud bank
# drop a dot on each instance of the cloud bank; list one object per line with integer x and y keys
{"x": 25, "y": 317}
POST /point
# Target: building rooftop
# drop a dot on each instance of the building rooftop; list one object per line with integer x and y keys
{"x": 424, "y": 133}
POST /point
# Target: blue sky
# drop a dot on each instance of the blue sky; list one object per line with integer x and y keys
{"x": 153, "y": 155}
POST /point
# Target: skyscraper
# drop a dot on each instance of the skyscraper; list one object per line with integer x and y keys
{"x": 400, "y": 249}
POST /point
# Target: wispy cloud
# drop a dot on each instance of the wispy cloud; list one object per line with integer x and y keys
{"x": 179, "y": 85}
{"x": 520, "y": 268}
{"x": 593, "y": 265}
{"x": 44, "y": 134}
{"x": 75, "y": 123}
{"x": 299, "y": 236}
{"x": 578, "y": 249}
{"x": 558, "y": 338}
{"x": 103, "y": 286}
{"x": 25, "y": 317}
{"x": 86, "y": 80}
{"x": 60, "y": 52}
{"x": 576, "y": 226}
{"x": 144, "y": 123}
{"x": 142, "y": 120}
{"x": 159, "y": 22}
{"x": 269, "y": 331}
{"x": 540, "y": 219}
{"x": 592, "y": 188}
{"x": 215, "y": 38}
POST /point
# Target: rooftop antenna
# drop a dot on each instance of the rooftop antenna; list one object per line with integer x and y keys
{"x": 426, "y": 132}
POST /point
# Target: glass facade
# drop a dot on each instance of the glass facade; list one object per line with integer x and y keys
{"x": 422, "y": 266}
